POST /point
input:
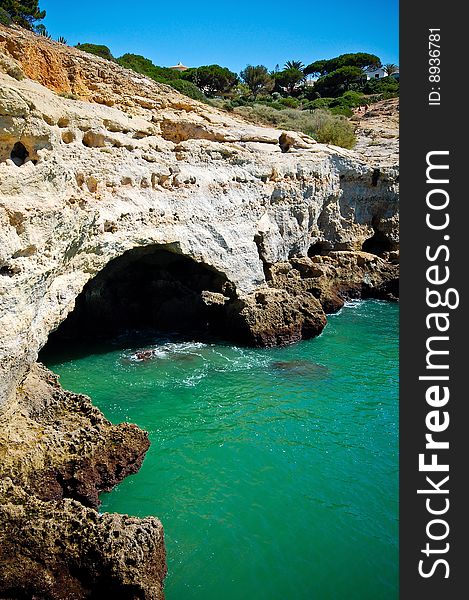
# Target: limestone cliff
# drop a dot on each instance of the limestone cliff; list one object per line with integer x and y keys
{"x": 107, "y": 176}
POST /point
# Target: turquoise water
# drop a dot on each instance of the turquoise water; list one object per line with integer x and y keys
{"x": 275, "y": 472}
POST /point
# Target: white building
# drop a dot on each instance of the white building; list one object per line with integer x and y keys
{"x": 375, "y": 73}
{"x": 179, "y": 67}
{"x": 379, "y": 73}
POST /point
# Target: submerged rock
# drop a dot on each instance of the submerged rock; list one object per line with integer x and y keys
{"x": 144, "y": 355}
{"x": 301, "y": 368}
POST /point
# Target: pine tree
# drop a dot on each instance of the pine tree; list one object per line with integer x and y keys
{"x": 23, "y": 12}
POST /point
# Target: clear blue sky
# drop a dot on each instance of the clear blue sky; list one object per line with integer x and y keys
{"x": 230, "y": 33}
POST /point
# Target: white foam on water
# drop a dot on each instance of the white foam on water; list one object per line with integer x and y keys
{"x": 163, "y": 351}
{"x": 150, "y": 354}
{"x": 353, "y": 303}
{"x": 183, "y": 347}
{"x": 218, "y": 357}
{"x": 195, "y": 378}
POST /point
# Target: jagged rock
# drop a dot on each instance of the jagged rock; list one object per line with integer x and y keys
{"x": 213, "y": 298}
{"x": 338, "y": 276}
{"x": 9, "y": 66}
{"x": 273, "y": 317}
{"x": 62, "y": 549}
{"x": 57, "y": 452}
{"x": 285, "y": 142}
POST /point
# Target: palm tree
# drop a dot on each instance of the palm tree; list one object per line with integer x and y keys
{"x": 294, "y": 64}
{"x": 390, "y": 68}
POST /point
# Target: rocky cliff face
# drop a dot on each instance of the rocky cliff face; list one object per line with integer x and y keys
{"x": 108, "y": 177}
{"x": 57, "y": 452}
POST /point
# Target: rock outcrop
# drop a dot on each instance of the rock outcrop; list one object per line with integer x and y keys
{"x": 57, "y": 452}
{"x": 377, "y": 130}
{"x": 62, "y": 549}
{"x": 108, "y": 177}
{"x": 273, "y": 317}
{"x": 337, "y": 277}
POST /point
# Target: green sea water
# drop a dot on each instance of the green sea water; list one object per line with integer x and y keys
{"x": 274, "y": 471}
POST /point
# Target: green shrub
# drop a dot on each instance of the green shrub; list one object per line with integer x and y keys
{"x": 339, "y": 106}
{"x": 265, "y": 98}
{"x": 172, "y": 77}
{"x": 341, "y": 110}
{"x": 5, "y": 18}
{"x": 320, "y": 124}
{"x": 336, "y": 130}
{"x": 290, "y": 102}
{"x": 144, "y": 66}
{"x": 275, "y": 105}
{"x": 278, "y": 106}
{"x": 320, "y": 103}
{"x": 97, "y": 50}
{"x": 385, "y": 85}
{"x": 351, "y": 99}
{"x": 239, "y": 102}
{"x": 187, "y": 88}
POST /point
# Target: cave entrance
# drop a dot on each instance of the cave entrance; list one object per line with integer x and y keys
{"x": 19, "y": 154}
{"x": 150, "y": 288}
{"x": 319, "y": 248}
{"x": 377, "y": 244}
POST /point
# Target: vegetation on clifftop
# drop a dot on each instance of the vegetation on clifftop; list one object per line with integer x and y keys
{"x": 320, "y": 124}
{"x": 21, "y": 12}
{"x": 97, "y": 50}
{"x": 284, "y": 98}
{"x": 5, "y": 18}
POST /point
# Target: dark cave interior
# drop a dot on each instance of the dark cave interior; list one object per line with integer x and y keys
{"x": 152, "y": 287}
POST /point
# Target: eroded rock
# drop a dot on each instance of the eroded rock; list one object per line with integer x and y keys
{"x": 275, "y": 317}
{"x": 61, "y": 549}
{"x": 97, "y": 162}
{"x": 335, "y": 277}
{"x": 57, "y": 452}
